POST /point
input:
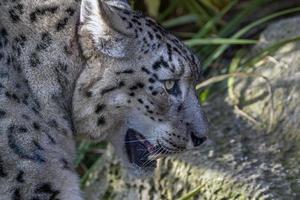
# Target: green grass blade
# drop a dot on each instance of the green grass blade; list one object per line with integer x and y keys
{"x": 204, "y": 95}
{"x": 182, "y": 20}
{"x": 81, "y": 151}
{"x": 169, "y": 10}
{"x": 212, "y": 22}
{"x": 234, "y": 24}
{"x": 88, "y": 176}
{"x": 210, "y": 6}
{"x": 195, "y": 8}
{"x": 246, "y": 29}
{"x": 218, "y": 41}
{"x": 191, "y": 194}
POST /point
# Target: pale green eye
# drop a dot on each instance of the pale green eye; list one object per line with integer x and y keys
{"x": 172, "y": 87}
{"x": 169, "y": 85}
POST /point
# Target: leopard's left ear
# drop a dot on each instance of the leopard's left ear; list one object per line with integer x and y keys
{"x": 102, "y": 27}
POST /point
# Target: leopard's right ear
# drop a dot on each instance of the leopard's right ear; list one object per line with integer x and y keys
{"x": 102, "y": 27}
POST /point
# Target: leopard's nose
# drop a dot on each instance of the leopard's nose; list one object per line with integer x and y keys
{"x": 196, "y": 140}
{"x": 197, "y": 135}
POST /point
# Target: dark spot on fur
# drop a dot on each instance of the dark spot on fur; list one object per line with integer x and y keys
{"x": 37, "y": 145}
{"x": 126, "y": 12}
{"x": 20, "y": 177}
{"x": 158, "y": 36}
{"x": 156, "y": 65}
{"x": 128, "y": 71}
{"x": 146, "y": 70}
{"x": 63, "y": 66}
{"x": 7, "y": 94}
{"x": 36, "y": 126}
{"x": 132, "y": 94}
{"x": 22, "y": 130}
{"x": 154, "y": 93}
{"x": 136, "y": 22}
{"x": 151, "y": 80}
{"x": 15, "y": 97}
{"x": 88, "y": 93}
{"x": 70, "y": 11}
{"x": 65, "y": 164}
{"x": 150, "y": 35}
{"x": 42, "y": 11}
{"x": 101, "y": 121}
{"x": 155, "y": 76}
{"x": 121, "y": 84}
{"x": 99, "y": 108}
{"x": 2, "y": 172}
{"x": 53, "y": 123}
{"x": 2, "y": 114}
{"x": 19, "y": 7}
{"x": 34, "y": 60}
{"x": 26, "y": 117}
{"x": 35, "y": 110}
{"x": 51, "y": 138}
{"x": 179, "y": 107}
{"x": 25, "y": 99}
{"x": 107, "y": 90}
{"x": 46, "y": 188}
{"x": 3, "y": 37}
{"x": 150, "y": 111}
{"x": 62, "y": 23}
{"x": 133, "y": 88}
{"x": 18, "y": 86}
{"x": 13, "y": 15}
{"x": 16, "y": 194}
{"x": 46, "y": 41}
{"x": 140, "y": 101}
{"x": 140, "y": 85}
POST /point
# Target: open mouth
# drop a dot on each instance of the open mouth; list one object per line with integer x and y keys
{"x": 139, "y": 149}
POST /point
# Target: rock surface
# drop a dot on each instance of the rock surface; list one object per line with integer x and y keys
{"x": 245, "y": 161}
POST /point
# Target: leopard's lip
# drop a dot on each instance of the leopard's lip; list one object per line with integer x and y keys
{"x": 139, "y": 149}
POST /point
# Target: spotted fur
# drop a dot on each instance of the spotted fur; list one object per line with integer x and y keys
{"x": 94, "y": 68}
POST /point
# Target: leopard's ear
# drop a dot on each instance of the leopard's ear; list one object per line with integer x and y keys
{"x": 102, "y": 27}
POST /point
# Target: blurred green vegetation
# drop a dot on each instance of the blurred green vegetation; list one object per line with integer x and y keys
{"x": 221, "y": 32}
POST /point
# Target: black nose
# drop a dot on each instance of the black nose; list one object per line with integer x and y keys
{"x": 197, "y": 141}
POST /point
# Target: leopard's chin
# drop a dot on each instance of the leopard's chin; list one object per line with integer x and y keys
{"x": 139, "y": 151}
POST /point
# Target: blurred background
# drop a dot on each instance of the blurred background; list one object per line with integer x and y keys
{"x": 250, "y": 90}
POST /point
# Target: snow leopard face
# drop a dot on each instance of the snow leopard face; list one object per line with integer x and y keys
{"x": 138, "y": 86}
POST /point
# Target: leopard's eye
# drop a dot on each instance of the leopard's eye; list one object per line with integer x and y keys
{"x": 172, "y": 87}
{"x": 169, "y": 85}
